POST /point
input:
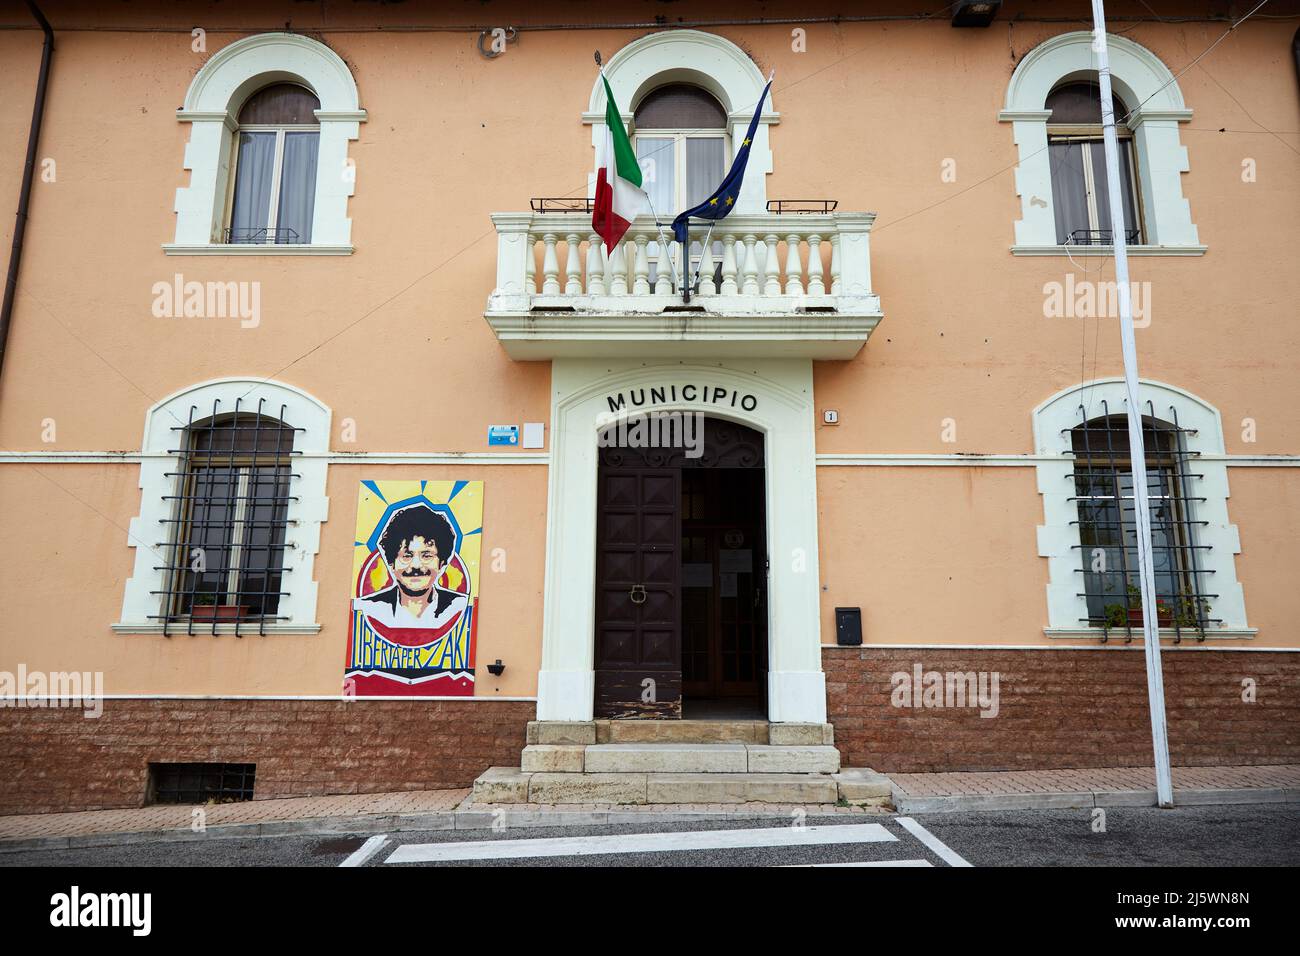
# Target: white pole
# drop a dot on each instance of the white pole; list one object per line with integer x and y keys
{"x": 1137, "y": 452}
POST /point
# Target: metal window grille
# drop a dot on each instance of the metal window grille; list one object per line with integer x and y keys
{"x": 226, "y": 542}
{"x": 200, "y": 782}
{"x": 1103, "y": 482}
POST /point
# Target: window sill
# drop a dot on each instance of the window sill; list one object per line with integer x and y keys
{"x": 1134, "y": 250}
{"x": 255, "y": 249}
{"x": 1166, "y": 633}
{"x": 246, "y": 629}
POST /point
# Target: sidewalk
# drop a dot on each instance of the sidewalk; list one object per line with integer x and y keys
{"x": 1109, "y": 787}
{"x": 453, "y": 809}
{"x": 356, "y": 814}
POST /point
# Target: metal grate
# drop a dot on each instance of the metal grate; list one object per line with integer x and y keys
{"x": 200, "y": 782}
{"x": 1100, "y": 237}
{"x": 1103, "y": 482}
{"x": 802, "y": 205}
{"x": 559, "y": 204}
{"x": 228, "y": 520}
{"x": 261, "y": 235}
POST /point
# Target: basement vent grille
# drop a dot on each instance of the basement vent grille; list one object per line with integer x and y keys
{"x": 200, "y": 782}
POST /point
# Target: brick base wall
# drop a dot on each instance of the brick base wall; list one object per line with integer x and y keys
{"x": 55, "y": 759}
{"x": 1065, "y": 709}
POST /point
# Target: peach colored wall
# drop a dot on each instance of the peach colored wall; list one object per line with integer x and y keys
{"x": 868, "y": 114}
{"x": 68, "y": 565}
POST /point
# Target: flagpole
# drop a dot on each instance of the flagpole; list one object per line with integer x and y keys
{"x": 1137, "y": 456}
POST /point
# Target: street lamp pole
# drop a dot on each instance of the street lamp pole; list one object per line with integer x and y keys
{"x": 1137, "y": 451}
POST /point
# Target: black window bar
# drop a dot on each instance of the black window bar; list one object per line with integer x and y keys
{"x": 226, "y": 539}
{"x": 805, "y": 206}
{"x": 1107, "y": 522}
{"x": 1100, "y": 237}
{"x": 262, "y": 235}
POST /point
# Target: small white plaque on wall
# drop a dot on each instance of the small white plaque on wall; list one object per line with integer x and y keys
{"x": 534, "y": 435}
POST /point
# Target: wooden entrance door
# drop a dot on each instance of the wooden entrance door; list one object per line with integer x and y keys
{"x": 639, "y": 542}
{"x": 638, "y": 628}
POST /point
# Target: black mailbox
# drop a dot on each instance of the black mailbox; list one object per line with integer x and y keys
{"x": 848, "y": 626}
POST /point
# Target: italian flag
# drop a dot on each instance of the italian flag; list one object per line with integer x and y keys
{"x": 619, "y": 196}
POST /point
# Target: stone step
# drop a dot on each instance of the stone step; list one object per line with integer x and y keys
{"x": 514, "y": 786}
{"x": 863, "y": 786}
{"x": 679, "y": 758}
{"x": 682, "y": 732}
{"x": 639, "y": 731}
{"x": 740, "y": 788}
{"x": 667, "y": 758}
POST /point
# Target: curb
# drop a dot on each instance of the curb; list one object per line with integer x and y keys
{"x": 393, "y": 823}
{"x": 1082, "y": 799}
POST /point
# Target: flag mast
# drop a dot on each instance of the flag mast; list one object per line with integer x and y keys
{"x": 1137, "y": 451}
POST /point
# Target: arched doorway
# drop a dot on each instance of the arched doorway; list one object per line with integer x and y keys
{"x": 681, "y": 620}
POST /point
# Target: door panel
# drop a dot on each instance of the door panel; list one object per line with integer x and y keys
{"x": 638, "y": 638}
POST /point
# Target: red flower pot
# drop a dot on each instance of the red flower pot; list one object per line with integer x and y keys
{"x": 218, "y": 612}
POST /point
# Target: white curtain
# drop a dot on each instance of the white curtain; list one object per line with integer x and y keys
{"x": 704, "y": 167}
{"x": 252, "y": 205}
{"x": 297, "y": 187}
{"x": 658, "y": 173}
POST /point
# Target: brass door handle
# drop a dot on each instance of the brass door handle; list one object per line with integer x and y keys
{"x": 637, "y": 594}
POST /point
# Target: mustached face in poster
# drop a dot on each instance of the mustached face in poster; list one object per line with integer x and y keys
{"x": 415, "y": 591}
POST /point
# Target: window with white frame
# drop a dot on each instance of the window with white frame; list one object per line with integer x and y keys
{"x": 232, "y": 482}
{"x": 1080, "y": 200}
{"x": 270, "y": 117}
{"x": 1088, "y": 535}
{"x": 273, "y": 197}
{"x": 682, "y": 145}
{"x": 1057, "y": 131}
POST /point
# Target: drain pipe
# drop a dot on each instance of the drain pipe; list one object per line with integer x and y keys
{"x": 25, "y": 195}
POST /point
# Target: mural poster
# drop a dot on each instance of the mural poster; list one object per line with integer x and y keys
{"x": 415, "y": 577}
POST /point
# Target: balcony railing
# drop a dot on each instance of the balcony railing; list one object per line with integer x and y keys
{"x": 764, "y": 284}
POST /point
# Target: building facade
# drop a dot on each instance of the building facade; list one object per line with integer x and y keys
{"x": 315, "y": 358}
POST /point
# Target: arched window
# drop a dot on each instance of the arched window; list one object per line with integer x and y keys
{"x": 1053, "y": 106}
{"x": 682, "y": 144}
{"x": 231, "y": 513}
{"x": 232, "y": 483}
{"x": 1088, "y": 534}
{"x": 270, "y": 117}
{"x": 1080, "y": 199}
{"x": 1103, "y": 485}
{"x": 274, "y": 193}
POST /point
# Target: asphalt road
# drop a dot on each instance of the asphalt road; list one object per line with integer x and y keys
{"x": 1244, "y": 835}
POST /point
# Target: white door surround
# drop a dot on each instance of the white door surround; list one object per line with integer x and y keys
{"x": 773, "y": 396}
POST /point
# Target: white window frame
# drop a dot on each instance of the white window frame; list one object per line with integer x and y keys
{"x": 211, "y": 108}
{"x": 679, "y": 137}
{"x": 161, "y": 476}
{"x": 1058, "y": 536}
{"x": 1146, "y": 85}
{"x": 277, "y": 171}
{"x": 675, "y": 56}
{"x": 1084, "y": 137}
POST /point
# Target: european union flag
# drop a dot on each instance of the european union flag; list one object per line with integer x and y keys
{"x": 723, "y": 200}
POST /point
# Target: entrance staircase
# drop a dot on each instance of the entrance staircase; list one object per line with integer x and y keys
{"x": 679, "y": 762}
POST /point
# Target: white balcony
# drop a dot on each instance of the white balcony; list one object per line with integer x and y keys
{"x": 774, "y": 285}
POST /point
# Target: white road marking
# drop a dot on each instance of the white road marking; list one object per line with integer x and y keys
{"x": 931, "y": 841}
{"x": 866, "y": 863}
{"x": 366, "y": 850}
{"x": 643, "y": 843}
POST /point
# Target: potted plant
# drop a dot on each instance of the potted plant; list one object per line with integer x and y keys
{"x": 1164, "y": 613}
{"x": 204, "y": 607}
{"x": 1190, "y": 610}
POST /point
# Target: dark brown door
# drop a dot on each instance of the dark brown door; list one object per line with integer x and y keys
{"x": 638, "y": 560}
